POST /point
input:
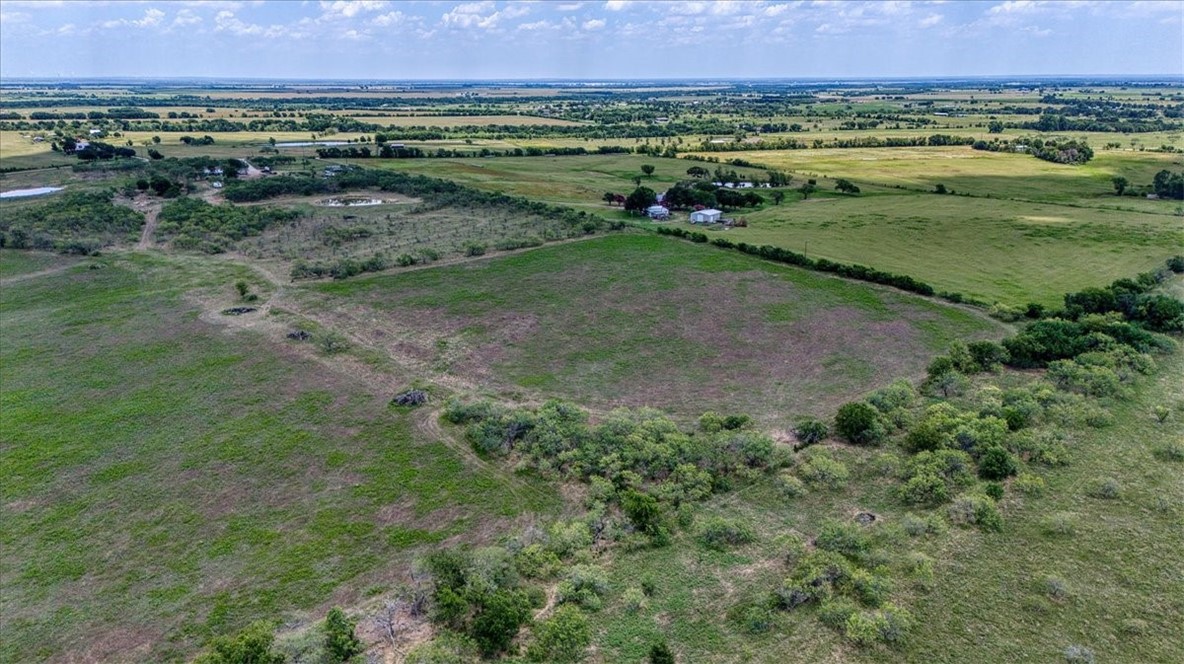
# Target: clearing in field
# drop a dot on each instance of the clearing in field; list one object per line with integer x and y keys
{"x": 643, "y": 320}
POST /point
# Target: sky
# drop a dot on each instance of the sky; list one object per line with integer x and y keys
{"x": 569, "y": 39}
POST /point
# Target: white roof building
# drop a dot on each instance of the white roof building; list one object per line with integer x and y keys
{"x": 708, "y": 216}
{"x": 657, "y": 212}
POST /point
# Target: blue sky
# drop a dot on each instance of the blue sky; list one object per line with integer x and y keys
{"x": 373, "y": 39}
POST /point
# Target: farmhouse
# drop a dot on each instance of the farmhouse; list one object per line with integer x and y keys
{"x": 657, "y": 212}
{"x": 708, "y": 216}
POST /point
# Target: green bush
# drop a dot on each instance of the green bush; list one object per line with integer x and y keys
{"x": 501, "y": 615}
{"x": 889, "y": 625}
{"x": 974, "y": 510}
{"x": 809, "y": 431}
{"x": 1078, "y": 655}
{"x": 1029, "y": 484}
{"x": 835, "y": 611}
{"x": 660, "y": 653}
{"x": 1106, "y": 488}
{"x": 859, "y": 423}
{"x": 847, "y": 539}
{"x": 341, "y": 644}
{"x": 720, "y": 533}
{"x": 583, "y": 585}
{"x": 253, "y": 645}
{"x": 996, "y": 463}
{"x": 820, "y": 470}
{"x": 790, "y": 486}
{"x": 561, "y": 638}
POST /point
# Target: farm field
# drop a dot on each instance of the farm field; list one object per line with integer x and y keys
{"x": 255, "y": 384}
{"x": 644, "y": 321}
{"x": 240, "y": 477}
{"x": 981, "y": 173}
{"x": 1023, "y": 252}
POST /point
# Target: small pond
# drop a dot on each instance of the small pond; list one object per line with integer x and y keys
{"x": 23, "y": 193}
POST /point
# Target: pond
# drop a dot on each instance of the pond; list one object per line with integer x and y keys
{"x": 22, "y": 193}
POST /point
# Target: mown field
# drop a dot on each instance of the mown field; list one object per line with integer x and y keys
{"x": 642, "y": 320}
{"x": 167, "y": 479}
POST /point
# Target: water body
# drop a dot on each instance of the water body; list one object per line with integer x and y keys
{"x": 350, "y": 202}
{"x": 307, "y": 144}
{"x": 23, "y": 193}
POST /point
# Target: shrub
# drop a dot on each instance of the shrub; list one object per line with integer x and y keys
{"x": 634, "y": 599}
{"x": 252, "y": 645}
{"x": 899, "y": 394}
{"x": 474, "y": 249}
{"x": 859, "y": 423}
{"x": 584, "y": 585}
{"x": 980, "y": 511}
{"x": 987, "y": 355}
{"x": 888, "y": 625}
{"x": 561, "y": 638}
{"x": 341, "y": 644}
{"x": 820, "y": 470}
{"x": 790, "y": 486}
{"x": 753, "y": 618}
{"x": 660, "y": 653}
{"x": 848, "y": 539}
{"x": 924, "y": 489}
{"x": 810, "y": 431}
{"x": 332, "y": 343}
{"x": 834, "y": 612}
{"x": 994, "y": 491}
{"x": 535, "y": 562}
{"x": 1106, "y": 488}
{"x": 502, "y": 614}
{"x": 643, "y": 512}
{"x": 887, "y": 464}
{"x": 914, "y": 526}
{"x": 719, "y": 533}
{"x": 996, "y": 463}
{"x": 1056, "y": 588}
{"x": 1171, "y": 451}
{"x": 871, "y": 589}
{"x": 1060, "y": 524}
{"x": 1029, "y": 484}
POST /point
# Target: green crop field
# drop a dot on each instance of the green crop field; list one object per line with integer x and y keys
{"x": 640, "y": 320}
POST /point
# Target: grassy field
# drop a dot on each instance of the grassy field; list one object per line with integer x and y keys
{"x": 577, "y": 181}
{"x": 165, "y": 478}
{"x": 994, "y": 249}
{"x": 982, "y": 173}
{"x": 643, "y": 320}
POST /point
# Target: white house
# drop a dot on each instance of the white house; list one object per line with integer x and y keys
{"x": 657, "y": 212}
{"x": 708, "y": 216}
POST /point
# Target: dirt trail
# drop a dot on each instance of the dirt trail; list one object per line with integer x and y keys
{"x": 33, "y": 275}
{"x": 150, "y": 215}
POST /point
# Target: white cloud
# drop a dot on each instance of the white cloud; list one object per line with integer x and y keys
{"x": 226, "y": 21}
{"x": 1014, "y": 7}
{"x": 594, "y": 24}
{"x": 536, "y": 25}
{"x": 152, "y": 17}
{"x": 390, "y": 18}
{"x": 185, "y": 17}
{"x": 14, "y": 17}
{"x": 931, "y": 20}
{"x": 1037, "y": 32}
{"x": 351, "y": 8}
{"x": 617, "y": 5}
{"x": 776, "y": 10}
{"x": 473, "y": 15}
{"x": 569, "y": 6}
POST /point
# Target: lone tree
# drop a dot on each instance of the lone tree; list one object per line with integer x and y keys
{"x": 648, "y": 169}
{"x": 807, "y": 189}
{"x": 698, "y": 172}
{"x": 846, "y": 186}
{"x": 995, "y": 127}
{"x": 1120, "y": 184}
{"x": 640, "y": 199}
{"x": 778, "y": 196}
{"x": 609, "y": 197}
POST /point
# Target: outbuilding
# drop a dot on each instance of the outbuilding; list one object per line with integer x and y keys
{"x": 708, "y": 216}
{"x": 657, "y": 212}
